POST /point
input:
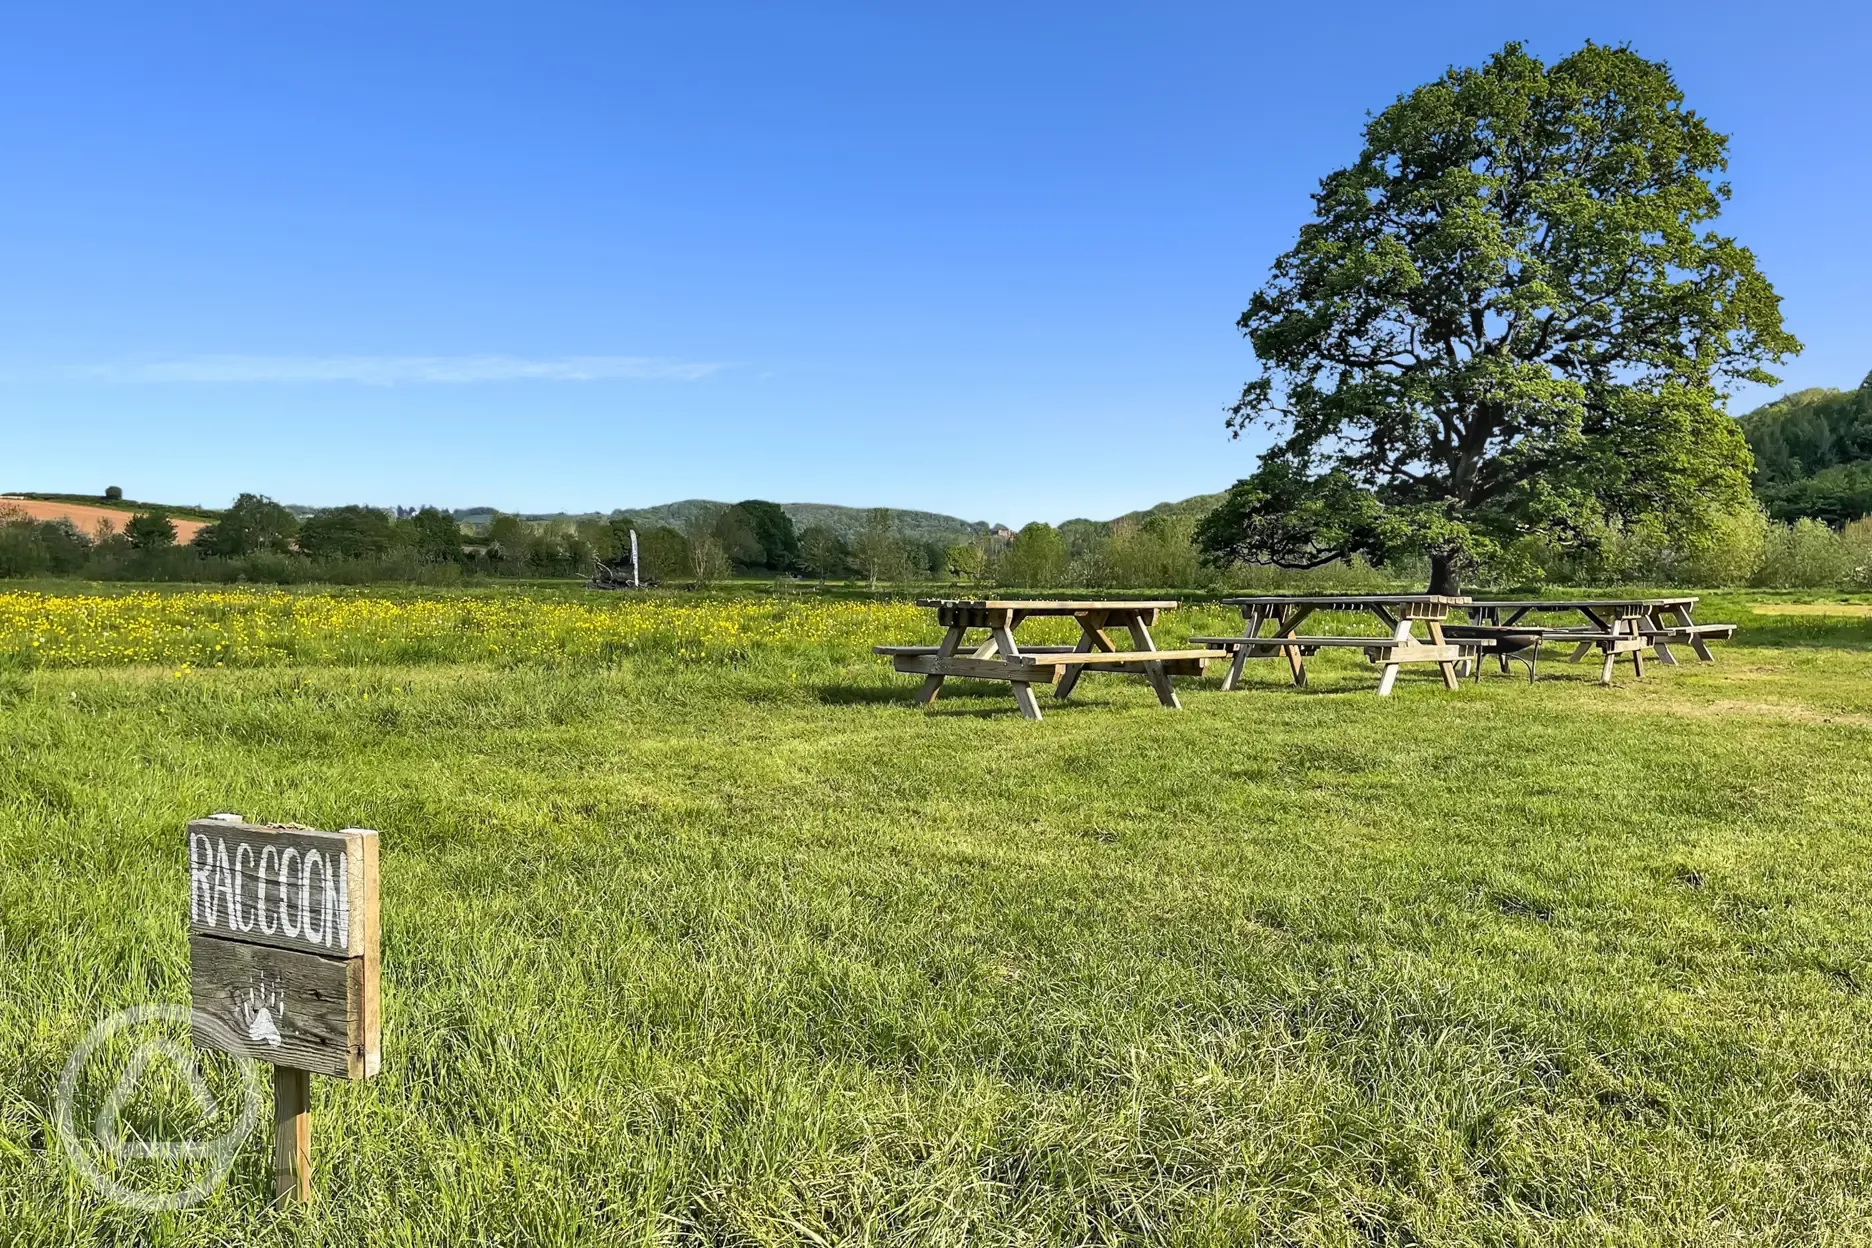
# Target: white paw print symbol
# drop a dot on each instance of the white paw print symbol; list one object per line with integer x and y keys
{"x": 259, "y": 1011}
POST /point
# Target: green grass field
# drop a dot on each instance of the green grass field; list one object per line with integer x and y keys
{"x": 744, "y": 948}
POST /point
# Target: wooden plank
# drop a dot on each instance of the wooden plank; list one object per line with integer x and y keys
{"x": 292, "y": 1136}
{"x": 889, "y": 651}
{"x": 1171, "y": 667}
{"x": 1095, "y": 658}
{"x": 1345, "y": 601}
{"x": 284, "y": 886}
{"x": 976, "y": 669}
{"x": 1047, "y": 606}
{"x": 1578, "y": 604}
{"x": 1324, "y": 641}
{"x": 288, "y": 1008}
{"x": 1045, "y": 658}
{"x": 1721, "y": 632}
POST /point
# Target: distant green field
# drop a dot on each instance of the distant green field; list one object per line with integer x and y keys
{"x": 708, "y": 935}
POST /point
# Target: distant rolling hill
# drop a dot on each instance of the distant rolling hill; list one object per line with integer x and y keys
{"x": 1813, "y": 454}
{"x": 91, "y": 515}
{"x": 922, "y": 526}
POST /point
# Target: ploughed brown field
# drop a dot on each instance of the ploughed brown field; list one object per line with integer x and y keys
{"x": 86, "y": 518}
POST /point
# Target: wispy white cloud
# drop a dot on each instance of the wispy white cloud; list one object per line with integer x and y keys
{"x": 392, "y": 370}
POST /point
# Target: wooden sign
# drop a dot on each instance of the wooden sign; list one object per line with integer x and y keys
{"x": 283, "y": 944}
{"x": 283, "y": 963}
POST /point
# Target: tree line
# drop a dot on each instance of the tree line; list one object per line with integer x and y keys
{"x": 259, "y": 539}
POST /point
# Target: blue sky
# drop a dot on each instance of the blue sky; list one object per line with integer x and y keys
{"x": 981, "y": 259}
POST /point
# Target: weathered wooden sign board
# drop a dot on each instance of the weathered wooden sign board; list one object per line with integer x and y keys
{"x": 283, "y": 961}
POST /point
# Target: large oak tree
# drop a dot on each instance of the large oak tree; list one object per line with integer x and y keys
{"x": 1507, "y": 317}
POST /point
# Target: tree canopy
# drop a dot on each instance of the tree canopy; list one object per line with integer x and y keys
{"x": 253, "y": 523}
{"x": 349, "y": 532}
{"x": 435, "y": 534}
{"x": 823, "y": 552}
{"x": 150, "y": 530}
{"x": 773, "y": 529}
{"x": 1505, "y": 318}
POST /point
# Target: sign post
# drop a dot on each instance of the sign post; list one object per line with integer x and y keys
{"x": 283, "y": 955}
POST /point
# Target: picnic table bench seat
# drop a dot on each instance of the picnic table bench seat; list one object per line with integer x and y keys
{"x": 1046, "y": 668}
{"x": 1684, "y": 632}
{"x": 892, "y": 651}
{"x": 1311, "y": 645}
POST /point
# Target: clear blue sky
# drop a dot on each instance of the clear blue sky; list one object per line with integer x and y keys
{"x": 981, "y": 259}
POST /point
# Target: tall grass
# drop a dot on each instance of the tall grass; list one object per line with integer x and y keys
{"x": 742, "y": 947}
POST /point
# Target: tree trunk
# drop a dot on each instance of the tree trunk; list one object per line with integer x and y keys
{"x": 1444, "y": 576}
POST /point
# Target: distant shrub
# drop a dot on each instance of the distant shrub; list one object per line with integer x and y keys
{"x": 1731, "y": 553}
{"x": 150, "y": 530}
{"x": 1804, "y": 555}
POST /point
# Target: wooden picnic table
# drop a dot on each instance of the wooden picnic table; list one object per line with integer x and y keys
{"x": 1001, "y": 658}
{"x": 1614, "y": 625}
{"x": 1398, "y": 612}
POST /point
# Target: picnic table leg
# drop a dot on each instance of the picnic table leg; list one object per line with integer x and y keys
{"x": 932, "y": 684}
{"x": 1023, "y": 690}
{"x": 1633, "y": 627}
{"x": 1154, "y": 672}
{"x": 1492, "y": 617}
{"x": 1436, "y": 637}
{"x": 1399, "y": 636}
{"x": 1289, "y": 626}
{"x": 1091, "y": 634}
{"x": 1696, "y": 643}
{"x": 1656, "y": 620}
{"x": 1239, "y": 659}
{"x": 1605, "y": 669}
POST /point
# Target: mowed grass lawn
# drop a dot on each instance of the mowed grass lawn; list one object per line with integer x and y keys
{"x": 748, "y": 949}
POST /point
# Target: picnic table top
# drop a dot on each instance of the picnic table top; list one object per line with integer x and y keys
{"x": 1047, "y": 606}
{"x": 1574, "y": 604}
{"x": 1347, "y": 600}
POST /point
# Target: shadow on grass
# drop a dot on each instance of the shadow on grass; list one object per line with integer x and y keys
{"x": 959, "y": 697}
{"x": 864, "y": 695}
